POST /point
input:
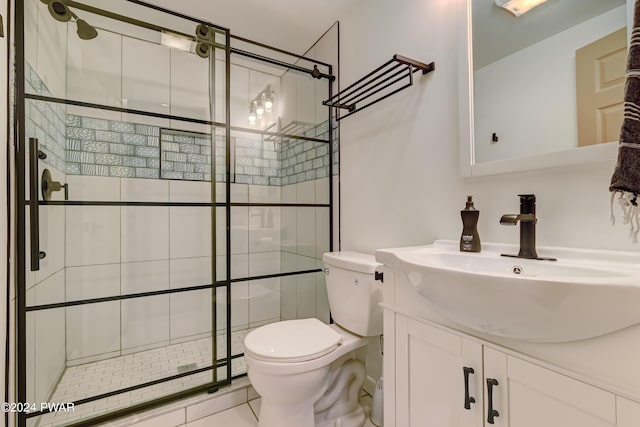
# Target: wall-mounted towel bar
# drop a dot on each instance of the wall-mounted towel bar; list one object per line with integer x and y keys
{"x": 386, "y": 80}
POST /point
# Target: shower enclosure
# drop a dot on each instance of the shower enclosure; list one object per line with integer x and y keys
{"x": 174, "y": 190}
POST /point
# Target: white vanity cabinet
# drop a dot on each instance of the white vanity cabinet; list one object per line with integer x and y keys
{"x": 430, "y": 373}
{"x": 527, "y": 395}
{"x": 431, "y": 390}
{"x": 424, "y": 370}
{"x": 628, "y": 412}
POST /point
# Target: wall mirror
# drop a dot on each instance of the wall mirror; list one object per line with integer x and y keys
{"x": 541, "y": 90}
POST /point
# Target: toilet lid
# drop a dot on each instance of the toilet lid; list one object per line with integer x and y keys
{"x": 292, "y": 340}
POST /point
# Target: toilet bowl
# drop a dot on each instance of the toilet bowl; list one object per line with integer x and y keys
{"x": 308, "y": 373}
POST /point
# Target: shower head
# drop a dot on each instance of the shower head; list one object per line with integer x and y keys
{"x": 61, "y": 12}
{"x": 85, "y": 31}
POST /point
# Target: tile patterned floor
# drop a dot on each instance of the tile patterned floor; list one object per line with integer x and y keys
{"x": 96, "y": 378}
{"x": 241, "y": 416}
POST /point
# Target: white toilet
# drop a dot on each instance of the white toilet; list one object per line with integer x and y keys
{"x": 309, "y": 373}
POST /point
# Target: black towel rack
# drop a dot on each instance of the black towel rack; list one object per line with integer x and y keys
{"x": 386, "y": 80}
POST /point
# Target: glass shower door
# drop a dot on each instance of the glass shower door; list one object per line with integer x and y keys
{"x": 121, "y": 139}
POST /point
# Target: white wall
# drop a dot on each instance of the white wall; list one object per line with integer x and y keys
{"x": 400, "y": 179}
{"x": 512, "y": 94}
{"x": 400, "y": 182}
{"x": 326, "y": 49}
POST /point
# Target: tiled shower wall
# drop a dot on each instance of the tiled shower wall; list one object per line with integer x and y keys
{"x": 188, "y": 156}
{"x": 302, "y": 161}
{"x": 122, "y": 149}
{"x": 82, "y": 145}
{"x": 45, "y": 121}
{"x": 130, "y": 249}
{"x": 45, "y": 330}
{"x": 102, "y": 251}
{"x": 110, "y": 148}
{"x": 124, "y": 250}
{"x": 103, "y": 157}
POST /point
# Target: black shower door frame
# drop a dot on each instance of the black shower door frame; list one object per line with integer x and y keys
{"x": 22, "y": 204}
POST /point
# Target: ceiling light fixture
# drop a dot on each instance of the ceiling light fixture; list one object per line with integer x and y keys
{"x": 259, "y": 107}
{"x": 252, "y": 115}
{"x": 518, "y": 7}
{"x": 267, "y": 98}
{"x": 261, "y": 104}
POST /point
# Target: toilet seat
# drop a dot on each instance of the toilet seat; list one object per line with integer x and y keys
{"x": 291, "y": 341}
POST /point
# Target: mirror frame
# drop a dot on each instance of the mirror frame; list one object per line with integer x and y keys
{"x": 468, "y": 167}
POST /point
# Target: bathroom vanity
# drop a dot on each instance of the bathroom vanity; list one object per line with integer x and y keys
{"x": 446, "y": 373}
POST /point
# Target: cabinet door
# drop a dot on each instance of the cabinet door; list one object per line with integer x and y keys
{"x": 430, "y": 381}
{"x": 628, "y": 412}
{"x": 527, "y": 395}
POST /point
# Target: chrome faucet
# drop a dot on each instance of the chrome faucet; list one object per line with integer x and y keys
{"x": 528, "y": 220}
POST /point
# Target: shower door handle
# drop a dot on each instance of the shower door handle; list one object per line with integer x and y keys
{"x": 34, "y": 209}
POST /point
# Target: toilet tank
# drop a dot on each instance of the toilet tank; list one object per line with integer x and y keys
{"x": 354, "y": 294}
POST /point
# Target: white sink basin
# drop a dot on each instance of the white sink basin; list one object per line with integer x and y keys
{"x": 584, "y": 294}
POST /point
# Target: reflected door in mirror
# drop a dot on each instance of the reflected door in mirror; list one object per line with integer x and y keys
{"x": 600, "y": 70}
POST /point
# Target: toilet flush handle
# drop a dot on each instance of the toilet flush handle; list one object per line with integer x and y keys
{"x": 326, "y": 271}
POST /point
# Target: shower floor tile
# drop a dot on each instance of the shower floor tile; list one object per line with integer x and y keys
{"x": 91, "y": 379}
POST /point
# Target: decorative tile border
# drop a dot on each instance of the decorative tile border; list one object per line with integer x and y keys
{"x": 255, "y": 161}
{"x": 307, "y": 160}
{"x": 303, "y": 161}
{"x": 186, "y": 155}
{"x": 83, "y": 145}
{"x": 111, "y": 148}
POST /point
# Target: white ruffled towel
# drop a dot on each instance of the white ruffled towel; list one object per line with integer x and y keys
{"x": 625, "y": 182}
